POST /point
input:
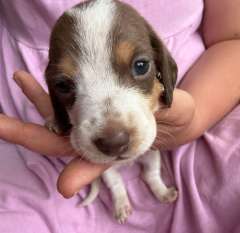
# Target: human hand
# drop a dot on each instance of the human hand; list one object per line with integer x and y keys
{"x": 39, "y": 139}
{"x": 173, "y": 129}
{"x": 174, "y": 125}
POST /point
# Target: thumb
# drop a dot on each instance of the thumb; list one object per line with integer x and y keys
{"x": 181, "y": 111}
{"x": 76, "y": 175}
{"x": 173, "y": 122}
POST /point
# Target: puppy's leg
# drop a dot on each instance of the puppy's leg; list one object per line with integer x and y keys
{"x": 151, "y": 162}
{"x": 122, "y": 206}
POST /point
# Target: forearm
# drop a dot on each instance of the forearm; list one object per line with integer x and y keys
{"x": 34, "y": 137}
{"x": 214, "y": 83}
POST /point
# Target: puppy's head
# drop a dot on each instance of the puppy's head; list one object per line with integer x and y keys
{"x": 107, "y": 71}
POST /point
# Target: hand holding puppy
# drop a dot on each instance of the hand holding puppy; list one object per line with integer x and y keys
{"x": 171, "y": 123}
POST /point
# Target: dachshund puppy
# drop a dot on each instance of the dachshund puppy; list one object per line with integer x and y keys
{"x": 108, "y": 73}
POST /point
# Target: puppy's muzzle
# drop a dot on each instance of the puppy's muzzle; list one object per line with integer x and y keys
{"x": 113, "y": 141}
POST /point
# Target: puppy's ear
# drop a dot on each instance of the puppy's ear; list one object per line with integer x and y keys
{"x": 61, "y": 118}
{"x": 166, "y": 67}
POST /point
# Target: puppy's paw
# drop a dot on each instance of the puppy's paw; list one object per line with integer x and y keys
{"x": 169, "y": 196}
{"x": 122, "y": 210}
{"x": 52, "y": 126}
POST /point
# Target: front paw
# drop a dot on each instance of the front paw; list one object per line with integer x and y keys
{"x": 122, "y": 209}
{"x": 52, "y": 126}
{"x": 163, "y": 193}
{"x": 169, "y": 196}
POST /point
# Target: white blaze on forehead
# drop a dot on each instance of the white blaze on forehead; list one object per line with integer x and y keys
{"x": 98, "y": 81}
{"x": 96, "y": 22}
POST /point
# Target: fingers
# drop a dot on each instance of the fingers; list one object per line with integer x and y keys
{"x": 10, "y": 129}
{"x": 41, "y": 140}
{"x": 76, "y": 175}
{"x": 34, "y": 137}
{"x": 34, "y": 92}
{"x": 173, "y": 124}
{"x": 181, "y": 111}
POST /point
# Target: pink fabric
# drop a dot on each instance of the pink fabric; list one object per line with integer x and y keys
{"x": 205, "y": 171}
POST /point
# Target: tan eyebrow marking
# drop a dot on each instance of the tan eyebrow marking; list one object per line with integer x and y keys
{"x": 124, "y": 52}
{"x": 155, "y": 94}
{"x": 68, "y": 66}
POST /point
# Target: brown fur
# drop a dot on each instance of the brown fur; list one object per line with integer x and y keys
{"x": 131, "y": 36}
{"x": 154, "y": 99}
{"x": 124, "y": 52}
{"x": 68, "y": 66}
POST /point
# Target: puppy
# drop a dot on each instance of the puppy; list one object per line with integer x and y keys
{"x": 108, "y": 73}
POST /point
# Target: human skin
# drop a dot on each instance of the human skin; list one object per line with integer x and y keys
{"x": 216, "y": 71}
{"x": 37, "y": 138}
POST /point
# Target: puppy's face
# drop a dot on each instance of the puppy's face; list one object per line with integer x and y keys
{"x": 103, "y": 63}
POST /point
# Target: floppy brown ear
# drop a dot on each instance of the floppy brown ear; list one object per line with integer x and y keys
{"x": 166, "y": 66}
{"x": 61, "y": 118}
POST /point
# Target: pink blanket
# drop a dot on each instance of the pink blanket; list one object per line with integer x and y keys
{"x": 205, "y": 171}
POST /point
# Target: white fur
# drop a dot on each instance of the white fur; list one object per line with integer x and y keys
{"x": 122, "y": 206}
{"x": 98, "y": 82}
{"x": 151, "y": 162}
{"x": 151, "y": 174}
{"x": 93, "y": 193}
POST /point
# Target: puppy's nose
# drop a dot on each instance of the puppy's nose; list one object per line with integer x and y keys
{"x": 114, "y": 143}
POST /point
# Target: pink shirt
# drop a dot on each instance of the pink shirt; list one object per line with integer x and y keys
{"x": 205, "y": 171}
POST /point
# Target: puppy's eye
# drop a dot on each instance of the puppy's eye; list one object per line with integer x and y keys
{"x": 64, "y": 85}
{"x": 140, "y": 67}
